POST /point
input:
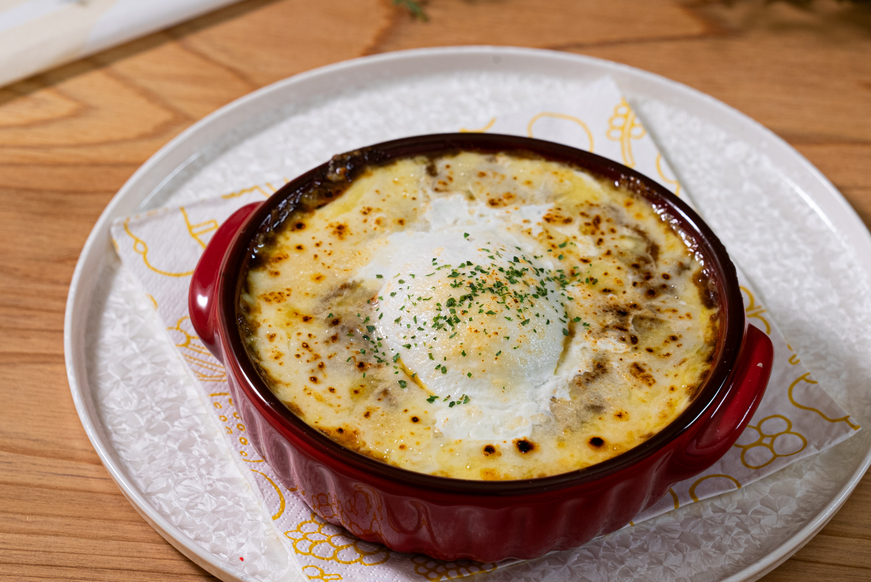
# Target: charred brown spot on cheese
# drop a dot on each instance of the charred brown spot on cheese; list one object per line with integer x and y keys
{"x": 506, "y": 199}
{"x": 415, "y": 419}
{"x": 340, "y": 230}
{"x": 639, "y": 372}
{"x": 524, "y": 445}
{"x": 344, "y": 435}
{"x": 597, "y": 442}
{"x": 489, "y": 450}
{"x": 556, "y": 217}
{"x": 277, "y": 296}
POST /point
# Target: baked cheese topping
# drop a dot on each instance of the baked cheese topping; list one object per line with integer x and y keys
{"x": 482, "y": 317}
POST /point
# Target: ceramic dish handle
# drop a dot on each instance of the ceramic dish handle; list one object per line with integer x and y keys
{"x": 731, "y": 415}
{"x": 206, "y": 279}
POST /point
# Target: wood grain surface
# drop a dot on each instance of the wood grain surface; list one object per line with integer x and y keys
{"x": 70, "y": 137}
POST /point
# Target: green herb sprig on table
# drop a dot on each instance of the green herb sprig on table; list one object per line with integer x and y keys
{"x": 413, "y": 7}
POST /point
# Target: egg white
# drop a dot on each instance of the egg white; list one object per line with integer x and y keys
{"x": 497, "y": 351}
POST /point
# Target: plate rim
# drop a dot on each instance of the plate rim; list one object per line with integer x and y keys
{"x": 91, "y": 259}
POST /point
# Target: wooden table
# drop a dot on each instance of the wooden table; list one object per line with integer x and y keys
{"x": 69, "y": 139}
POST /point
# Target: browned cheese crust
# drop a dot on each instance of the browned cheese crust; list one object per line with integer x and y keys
{"x": 481, "y": 316}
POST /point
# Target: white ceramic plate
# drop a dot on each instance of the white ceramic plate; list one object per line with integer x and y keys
{"x": 784, "y": 223}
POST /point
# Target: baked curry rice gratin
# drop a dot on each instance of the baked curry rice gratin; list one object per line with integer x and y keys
{"x": 479, "y": 316}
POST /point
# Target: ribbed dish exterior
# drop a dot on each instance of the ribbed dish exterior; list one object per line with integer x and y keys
{"x": 452, "y": 526}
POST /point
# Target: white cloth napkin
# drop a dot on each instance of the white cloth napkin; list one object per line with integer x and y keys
{"x": 36, "y": 35}
{"x": 796, "y": 418}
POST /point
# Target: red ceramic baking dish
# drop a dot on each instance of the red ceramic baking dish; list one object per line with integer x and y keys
{"x": 464, "y": 519}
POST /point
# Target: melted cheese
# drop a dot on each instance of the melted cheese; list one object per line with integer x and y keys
{"x": 482, "y": 317}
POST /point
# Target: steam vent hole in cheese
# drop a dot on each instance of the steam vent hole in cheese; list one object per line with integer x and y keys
{"x": 481, "y": 316}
